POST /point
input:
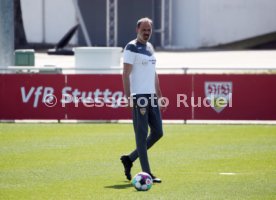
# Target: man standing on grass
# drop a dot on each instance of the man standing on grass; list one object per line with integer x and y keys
{"x": 141, "y": 87}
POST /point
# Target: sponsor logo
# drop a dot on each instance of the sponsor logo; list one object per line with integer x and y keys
{"x": 68, "y": 95}
{"x": 218, "y": 94}
{"x": 143, "y": 111}
{"x": 151, "y": 61}
{"x": 145, "y": 62}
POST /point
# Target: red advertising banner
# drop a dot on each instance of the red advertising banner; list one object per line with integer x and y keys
{"x": 82, "y": 97}
{"x": 100, "y": 97}
{"x": 52, "y": 96}
{"x": 246, "y": 97}
{"x": 23, "y": 96}
{"x": 176, "y": 87}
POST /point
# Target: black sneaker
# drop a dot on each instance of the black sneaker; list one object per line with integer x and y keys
{"x": 155, "y": 179}
{"x": 127, "y": 165}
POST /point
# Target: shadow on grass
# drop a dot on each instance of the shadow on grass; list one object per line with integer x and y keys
{"x": 120, "y": 186}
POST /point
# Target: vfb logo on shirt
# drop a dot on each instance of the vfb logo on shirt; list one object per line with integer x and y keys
{"x": 219, "y": 94}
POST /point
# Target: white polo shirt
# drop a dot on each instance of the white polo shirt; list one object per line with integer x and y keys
{"x": 141, "y": 57}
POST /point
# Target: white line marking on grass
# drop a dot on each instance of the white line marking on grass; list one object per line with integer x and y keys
{"x": 228, "y": 173}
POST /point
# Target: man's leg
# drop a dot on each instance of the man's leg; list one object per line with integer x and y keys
{"x": 155, "y": 123}
{"x": 140, "y": 122}
{"x": 156, "y": 130}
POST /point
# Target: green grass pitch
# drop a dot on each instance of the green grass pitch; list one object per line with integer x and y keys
{"x": 81, "y": 161}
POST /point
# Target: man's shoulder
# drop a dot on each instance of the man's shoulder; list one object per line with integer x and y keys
{"x": 136, "y": 47}
{"x": 150, "y": 45}
{"x": 132, "y": 46}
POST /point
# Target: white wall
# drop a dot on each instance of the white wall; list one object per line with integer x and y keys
{"x": 32, "y": 19}
{"x": 59, "y": 17}
{"x": 202, "y": 23}
{"x": 227, "y": 21}
{"x": 185, "y": 23}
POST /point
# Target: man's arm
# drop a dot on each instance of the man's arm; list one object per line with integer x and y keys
{"x": 157, "y": 87}
{"x": 162, "y": 101}
{"x": 126, "y": 81}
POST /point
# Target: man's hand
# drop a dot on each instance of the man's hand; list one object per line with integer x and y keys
{"x": 130, "y": 102}
{"x": 163, "y": 104}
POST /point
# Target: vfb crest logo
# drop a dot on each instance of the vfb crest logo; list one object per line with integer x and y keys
{"x": 219, "y": 94}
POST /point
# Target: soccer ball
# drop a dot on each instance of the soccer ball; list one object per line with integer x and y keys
{"x": 142, "y": 181}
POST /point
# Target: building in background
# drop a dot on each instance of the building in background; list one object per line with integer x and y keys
{"x": 178, "y": 24}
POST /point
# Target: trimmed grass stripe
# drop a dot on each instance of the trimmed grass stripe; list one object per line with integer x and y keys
{"x": 81, "y": 161}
